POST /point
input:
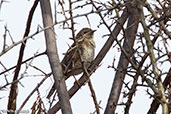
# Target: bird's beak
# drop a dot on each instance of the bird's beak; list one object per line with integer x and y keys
{"x": 94, "y": 31}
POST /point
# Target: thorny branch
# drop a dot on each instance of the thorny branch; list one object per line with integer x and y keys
{"x": 135, "y": 81}
{"x": 156, "y": 24}
{"x": 35, "y": 89}
{"x": 154, "y": 63}
{"x": 14, "y": 86}
{"x": 34, "y": 56}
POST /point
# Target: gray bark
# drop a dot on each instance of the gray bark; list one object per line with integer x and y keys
{"x": 130, "y": 34}
{"x": 52, "y": 54}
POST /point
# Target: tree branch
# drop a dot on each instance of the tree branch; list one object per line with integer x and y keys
{"x": 53, "y": 57}
{"x": 13, "y": 92}
{"x": 154, "y": 64}
{"x": 155, "y": 104}
{"x": 130, "y": 34}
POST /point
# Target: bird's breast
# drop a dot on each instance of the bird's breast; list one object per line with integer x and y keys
{"x": 88, "y": 52}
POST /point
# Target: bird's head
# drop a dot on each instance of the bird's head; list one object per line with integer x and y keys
{"x": 85, "y": 33}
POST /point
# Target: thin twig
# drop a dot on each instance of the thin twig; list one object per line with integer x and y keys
{"x": 6, "y": 70}
{"x": 35, "y": 89}
{"x": 45, "y": 28}
{"x": 154, "y": 64}
{"x": 94, "y": 96}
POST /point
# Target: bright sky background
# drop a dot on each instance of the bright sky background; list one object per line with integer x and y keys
{"x": 13, "y": 14}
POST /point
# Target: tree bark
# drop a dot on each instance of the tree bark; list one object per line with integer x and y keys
{"x": 130, "y": 34}
{"x": 52, "y": 54}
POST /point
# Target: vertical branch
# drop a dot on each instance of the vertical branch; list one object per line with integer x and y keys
{"x": 5, "y": 34}
{"x": 154, "y": 63}
{"x": 53, "y": 57}
{"x": 130, "y": 34}
{"x": 13, "y": 92}
{"x": 135, "y": 82}
{"x": 131, "y": 93}
{"x": 94, "y": 96}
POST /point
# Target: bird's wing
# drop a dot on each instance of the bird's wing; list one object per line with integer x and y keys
{"x": 71, "y": 56}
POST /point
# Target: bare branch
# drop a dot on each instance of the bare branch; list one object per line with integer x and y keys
{"x": 155, "y": 104}
{"x": 54, "y": 59}
{"x": 94, "y": 96}
{"x": 154, "y": 64}
{"x": 35, "y": 89}
{"x": 34, "y": 56}
{"x": 130, "y": 34}
{"x": 13, "y": 92}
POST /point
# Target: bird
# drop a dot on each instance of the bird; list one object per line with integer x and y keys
{"x": 81, "y": 51}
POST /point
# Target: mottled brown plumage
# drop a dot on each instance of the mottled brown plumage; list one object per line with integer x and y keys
{"x": 84, "y": 44}
{"x": 82, "y": 50}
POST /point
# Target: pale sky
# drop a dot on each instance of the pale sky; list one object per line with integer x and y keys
{"x": 13, "y": 14}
